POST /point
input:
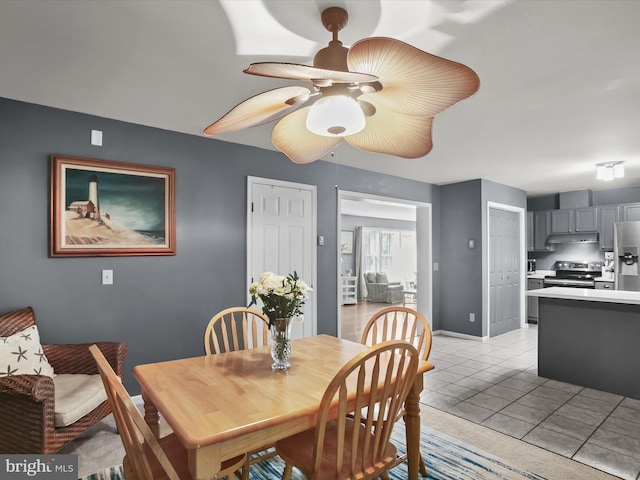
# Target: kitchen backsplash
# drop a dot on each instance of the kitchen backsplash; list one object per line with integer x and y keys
{"x": 580, "y": 253}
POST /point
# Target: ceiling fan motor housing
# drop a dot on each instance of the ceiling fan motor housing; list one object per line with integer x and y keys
{"x": 333, "y": 57}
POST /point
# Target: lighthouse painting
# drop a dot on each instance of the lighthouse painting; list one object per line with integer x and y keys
{"x": 104, "y": 208}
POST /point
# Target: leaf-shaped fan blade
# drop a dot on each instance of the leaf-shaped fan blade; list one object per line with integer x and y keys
{"x": 414, "y": 82}
{"x": 394, "y": 133}
{"x": 262, "y": 108}
{"x": 292, "y": 138}
{"x": 304, "y": 72}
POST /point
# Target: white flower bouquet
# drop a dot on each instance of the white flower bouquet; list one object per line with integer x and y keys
{"x": 282, "y": 297}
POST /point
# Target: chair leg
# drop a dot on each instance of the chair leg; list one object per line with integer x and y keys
{"x": 288, "y": 470}
{"x": 245, "y": 469}
{"x": 423, "y": 468}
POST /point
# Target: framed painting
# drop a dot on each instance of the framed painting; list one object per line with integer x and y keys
{"x": 346, "y": 241}
{"x": 105, "y": 208}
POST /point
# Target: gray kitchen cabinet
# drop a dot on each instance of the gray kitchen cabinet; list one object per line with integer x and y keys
{"x": 531, "y": 242}
{"x": 532, "y": 302}
{"x": 569, "y": 220}
{"x": 586, "y": 219}
{"x": 541, "y": 224}
{"x": 609, "y": 214}
{"x": 562, "y": 220}
{"x": 630, "y": 212}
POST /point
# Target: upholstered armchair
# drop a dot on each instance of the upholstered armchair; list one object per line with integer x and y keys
{"x": 47, "y": 407}
{"x": 379, "y": 289}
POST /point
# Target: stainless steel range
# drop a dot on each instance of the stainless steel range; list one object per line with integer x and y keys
{"x": 574, "y": 274}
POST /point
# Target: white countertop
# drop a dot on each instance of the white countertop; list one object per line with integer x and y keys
{"x": 540, "y": 274}
{"x": 588, "y": 294}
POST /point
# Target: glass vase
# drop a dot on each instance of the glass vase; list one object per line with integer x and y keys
{"x": 280, "y": 330}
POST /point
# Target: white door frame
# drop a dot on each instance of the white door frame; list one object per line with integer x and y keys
{"x": 312, "y": 302}
{"x": 424, "y": 254}
{"x": 522, "y": 221}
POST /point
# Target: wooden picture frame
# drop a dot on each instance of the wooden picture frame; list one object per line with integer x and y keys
{"x": 346, "y": 242}
{"x": 105, "y": 208}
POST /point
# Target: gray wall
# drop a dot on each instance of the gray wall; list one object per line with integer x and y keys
{"x": 463, "y": 218}
{"x": 157, "y": 305}
{"x": 461, "y": 267}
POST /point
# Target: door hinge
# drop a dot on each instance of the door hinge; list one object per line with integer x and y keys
{"x": 251, "y": 207}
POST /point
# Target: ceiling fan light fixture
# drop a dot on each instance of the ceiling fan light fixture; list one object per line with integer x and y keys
{"x": 335, "y": 116}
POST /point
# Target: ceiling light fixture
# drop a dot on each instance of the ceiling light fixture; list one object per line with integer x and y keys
{"x": 380, "y": 96}
{"x": 609, "y": 170}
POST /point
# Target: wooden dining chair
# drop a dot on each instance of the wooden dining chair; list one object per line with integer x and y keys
{"x": 350, "y": 446}
{"x": 239, "y": 328}
{"x": 148, "y": 458}
{"x": 236, "y": 328}
{"x": 400, "y": 323}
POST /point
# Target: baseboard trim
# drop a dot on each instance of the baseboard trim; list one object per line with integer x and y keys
{"x": 460, "y": 335}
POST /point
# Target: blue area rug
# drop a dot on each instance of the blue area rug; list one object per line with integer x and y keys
{"x": 445, "y": 457}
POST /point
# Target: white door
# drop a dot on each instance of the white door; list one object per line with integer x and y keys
{"x": 281, "y": 237}
{"x": 504, "y": 268}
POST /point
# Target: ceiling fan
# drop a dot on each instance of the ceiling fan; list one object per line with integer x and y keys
{"x": 380, "y": 96}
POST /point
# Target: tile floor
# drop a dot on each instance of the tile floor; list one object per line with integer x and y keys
{"x": 495, "y": 383}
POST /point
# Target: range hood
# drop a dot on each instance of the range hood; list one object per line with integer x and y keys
{"x": 577, "y": 237}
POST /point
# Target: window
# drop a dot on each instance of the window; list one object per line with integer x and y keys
{"x": 393, "y": 252}
{"x": 371, "y": 250}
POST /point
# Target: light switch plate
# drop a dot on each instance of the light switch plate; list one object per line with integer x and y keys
{"x": 96, "y": 138}
{"x": 107, "y": 277}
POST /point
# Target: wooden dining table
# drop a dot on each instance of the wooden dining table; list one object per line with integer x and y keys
{"x": 223, "y": 405}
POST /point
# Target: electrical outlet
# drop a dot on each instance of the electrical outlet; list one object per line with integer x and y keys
{"x": 107, "y": 277}
{"x": 472, "y": 317}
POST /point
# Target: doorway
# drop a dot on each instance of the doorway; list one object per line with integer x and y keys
{"x": 421, "y": 214}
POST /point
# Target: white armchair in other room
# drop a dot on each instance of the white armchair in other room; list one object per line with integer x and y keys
{"x": 379, "y": 289}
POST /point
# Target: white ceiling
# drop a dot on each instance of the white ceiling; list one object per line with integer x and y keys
{"x": 560, "y": 79}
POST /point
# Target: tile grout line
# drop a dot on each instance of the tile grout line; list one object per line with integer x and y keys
{"x": 617, "y": 433}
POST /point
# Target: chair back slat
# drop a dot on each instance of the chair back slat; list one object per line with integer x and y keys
{"x": 383, "y": 374}
{"x": 399, "y": 323}
{"x": 236, "y": 328}
{"x": 134, "y": 431}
